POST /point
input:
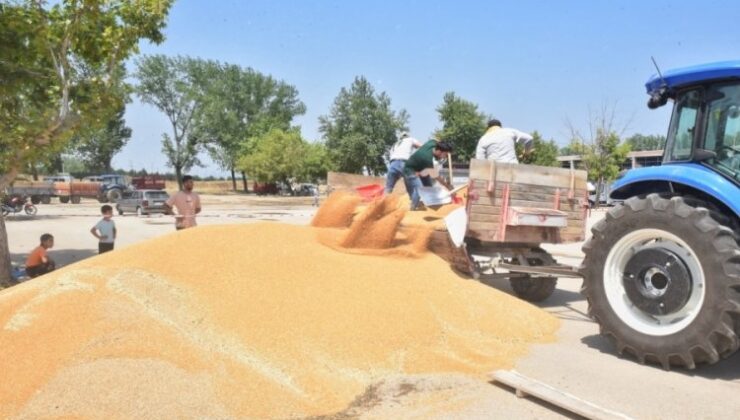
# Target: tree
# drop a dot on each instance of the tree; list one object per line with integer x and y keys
{"x": 241, "y": 104}
{"x": 641, "y": 142}
{"x": 361, "y": 128}
{"x": 176, "y": 86}
{"x": 545, "y": 153}
{"x": 97, "y": 146}
{"x": 276, "y": 156}
{"x": 60, "y": 67}
{"x": 283, "y": 156}
{"x": 316, "y": 163}
{"x": 601, "y": 152}
{"x": 462, "y": 125}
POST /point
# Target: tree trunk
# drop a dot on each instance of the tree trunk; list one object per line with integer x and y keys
{"x": 35, "y": 172}
{"x": 57, "y": 164}
{"x": 5, "y": 280}
{"x": 178, "y": 175}
{"x": 244, "y": 181}
{"x": 233, "y": 179}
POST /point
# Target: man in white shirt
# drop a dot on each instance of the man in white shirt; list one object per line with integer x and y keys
{"x": 400, "y": 153}
{"x": 499, "y": 144}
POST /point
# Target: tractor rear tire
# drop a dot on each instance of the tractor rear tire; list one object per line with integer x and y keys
{"x": 535, "y": 289}
{"x": 662, "y": 280}
{"x": 114, "y": 195}
{"x": 64, "y": 200}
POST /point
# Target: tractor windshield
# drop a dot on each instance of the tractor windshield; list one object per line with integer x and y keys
{"x": 722, "y": 128}
{"x": 715, "y": 109}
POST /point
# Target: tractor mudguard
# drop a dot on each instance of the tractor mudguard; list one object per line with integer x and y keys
{"x": 694, "y": 175}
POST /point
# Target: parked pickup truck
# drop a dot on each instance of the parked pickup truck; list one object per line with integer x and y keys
{"x": 142, "y": 202}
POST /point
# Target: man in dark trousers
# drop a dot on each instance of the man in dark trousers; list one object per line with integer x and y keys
{"x": 420, "y": 164}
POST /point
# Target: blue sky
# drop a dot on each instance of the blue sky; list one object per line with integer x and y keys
{"x": 532, "y": 64}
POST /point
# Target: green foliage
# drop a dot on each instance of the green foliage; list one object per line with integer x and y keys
{"x": 96, "y": 146}
{"x": 283, "y": 156}
{"x": 602, "y": 158}
{"x": 317, "y": 161}
{"x": 176, "y": 86}
{"x": 241, "y": 104}
{"x": 544, "y": 153}
{"x": 361, "y": 127}
{"x": 60, "y": 68}
{"x": 462, "y": 125}
{"x": 641, "y": 142}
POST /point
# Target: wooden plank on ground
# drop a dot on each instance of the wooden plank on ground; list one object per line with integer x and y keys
{"x": 525, "y": 386}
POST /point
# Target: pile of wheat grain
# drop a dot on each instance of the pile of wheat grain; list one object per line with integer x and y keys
{"x": 255, "y": 320}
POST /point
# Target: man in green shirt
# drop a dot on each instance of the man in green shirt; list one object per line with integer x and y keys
{"x": 422, "y": 160}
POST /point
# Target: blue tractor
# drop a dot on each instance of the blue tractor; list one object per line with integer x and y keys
{"x": 662, "y": 270}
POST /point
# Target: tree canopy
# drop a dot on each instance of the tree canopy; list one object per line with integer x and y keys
{"x": 283, "y": 156}
{"x": 643, "y": 142}
{"x": 241, "y": 104}
{"x": 544, "y": 153}
{"x": 361, "y": 128}
{"x": 462, "y": 125}
{"x": 60, "y": 68}
{"x": 96, "y": 146}
{"x": 176, "y": 86}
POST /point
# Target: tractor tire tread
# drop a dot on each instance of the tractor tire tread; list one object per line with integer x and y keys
{"x": 693, "y": 345}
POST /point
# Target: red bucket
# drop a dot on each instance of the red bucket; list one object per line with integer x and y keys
{"x": 370, "y": 192}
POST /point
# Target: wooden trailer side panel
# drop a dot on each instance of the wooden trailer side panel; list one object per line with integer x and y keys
{"x": 497, "y": 190}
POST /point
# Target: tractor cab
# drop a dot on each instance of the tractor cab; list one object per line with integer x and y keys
{"x": 705, "y": 126}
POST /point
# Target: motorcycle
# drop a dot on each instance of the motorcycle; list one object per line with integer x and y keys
{"x": 17, "y": 204}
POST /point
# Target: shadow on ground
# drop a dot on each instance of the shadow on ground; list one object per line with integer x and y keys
{"x": 61, "y": 257}
{"x": 27, "y": 218}
{"x": 727, "y": 370}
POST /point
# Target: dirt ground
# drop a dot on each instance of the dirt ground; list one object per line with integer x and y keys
{"x": 582, "y": 362}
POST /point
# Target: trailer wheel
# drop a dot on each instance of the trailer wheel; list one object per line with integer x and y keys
{"x": 120, "y": 211}
{"x": 535, "y": 289}
{"x": 662, "y": 278}
{"x": 46, "y": 199}
{"x": 64, "y": 200}
{"x": 35, "y": 199}
{"x": 76, "y": 199}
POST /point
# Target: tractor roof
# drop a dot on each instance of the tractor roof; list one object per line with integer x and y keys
{"x": 676, "y": 78}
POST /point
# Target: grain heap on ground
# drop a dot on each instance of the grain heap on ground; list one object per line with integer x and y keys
{"x": 253, "y": 320}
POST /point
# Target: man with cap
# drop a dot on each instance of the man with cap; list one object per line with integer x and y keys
{"x": 419, "y": 164}
{"x": 399, "y": 154}
{"x": 499, "y": 144}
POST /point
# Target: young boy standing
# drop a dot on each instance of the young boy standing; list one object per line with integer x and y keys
{"x": 38, "y": 262}
{"x": 105, "y": 230}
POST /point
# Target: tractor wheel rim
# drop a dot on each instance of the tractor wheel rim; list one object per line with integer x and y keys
{"x": 627, "y": 309}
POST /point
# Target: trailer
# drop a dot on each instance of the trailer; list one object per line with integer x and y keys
{"x": 38, "y": 191}
{"x": 509, "y": 211}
